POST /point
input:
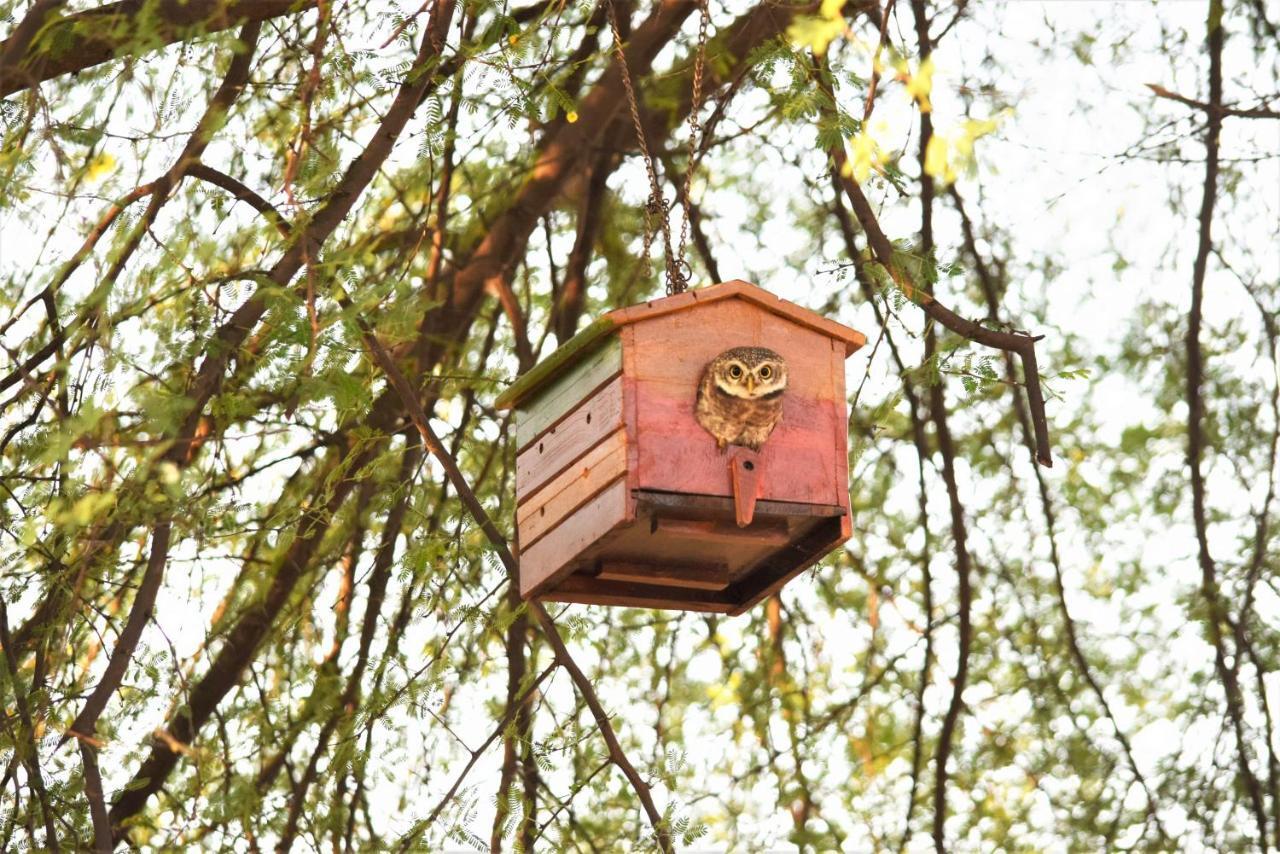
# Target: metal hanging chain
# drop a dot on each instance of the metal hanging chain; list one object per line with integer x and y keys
{"x": 657, "y": 207}
{"x": 697, "y": 134}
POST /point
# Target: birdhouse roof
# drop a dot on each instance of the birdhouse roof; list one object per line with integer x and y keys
{"x": 606, "y": 325}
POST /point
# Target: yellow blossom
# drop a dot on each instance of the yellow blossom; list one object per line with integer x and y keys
{"x": 100, "y": 167}
{"x": 571, "y": 117}
{"x": 815, "y": 33}
{"x": 936, "y": 162}
{"x": 866, "y": 156}
{"x": 920, "y": 84}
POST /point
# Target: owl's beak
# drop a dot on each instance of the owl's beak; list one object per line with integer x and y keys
{"x": 751, "y": 384}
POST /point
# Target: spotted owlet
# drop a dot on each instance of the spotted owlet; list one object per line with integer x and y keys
{"x": 740, "y": 396}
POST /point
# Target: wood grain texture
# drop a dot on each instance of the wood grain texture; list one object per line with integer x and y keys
{"x": 676, "y": 455}
{"x": 704, "y": 531}
{"x": 560, "y": 396}
{"x": 841, "y": 424}
{"x": 543, "y": 563}
{"x": 785, "y": 564}
{"x": 666, "y": 575}
{"x": 533, "y": 382}
{"x": 722, "y": 507}
{"x": 758, "y": 297}
{"x": 629, "y": 416}
{"x": 578, "y": 432}
{"x": 674, "y": 452}
{"x": 575, "y": 486}
{"x": 746, "y": 472}
{"x": 595, "y": 591}
{"x": 563, "y": 359}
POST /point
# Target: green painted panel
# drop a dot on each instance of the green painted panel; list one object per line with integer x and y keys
{"x": 533, "y": 381}
{"x": 563, "y": 393}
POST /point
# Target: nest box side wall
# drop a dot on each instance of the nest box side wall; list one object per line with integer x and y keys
{"x": 805, "y": 460}
{"x": 571, "y": 466}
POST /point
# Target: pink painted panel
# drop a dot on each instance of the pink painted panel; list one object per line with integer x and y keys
{"x": 677, "y": 455}
{"x": 674, "y": 453}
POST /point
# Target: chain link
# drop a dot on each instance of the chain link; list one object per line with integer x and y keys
{"x": 657, "y": 207}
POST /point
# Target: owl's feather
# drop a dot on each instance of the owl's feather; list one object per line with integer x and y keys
{"x": 740, "y": 396}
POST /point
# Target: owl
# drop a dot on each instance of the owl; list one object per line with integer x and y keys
{"x": 740, "y": 396}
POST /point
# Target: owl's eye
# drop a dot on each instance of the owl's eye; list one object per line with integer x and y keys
{"x": 766, "y": 372}
{"x": 735, "y": 371}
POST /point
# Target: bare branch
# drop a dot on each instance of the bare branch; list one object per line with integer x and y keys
{"x": 1212, "y": 109}
{"x": 92, "y": 37}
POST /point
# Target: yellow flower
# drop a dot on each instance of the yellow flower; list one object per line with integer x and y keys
{"x": 936, "y": 162}
{"x": 815, "y": 33}
{"x": 920, "y": 84}
{"x": 100, "y": 167}
{"x": 571, "y": 117}
{"x": 866, "y": 156}
{"x": 513, "y": 40}
{"x": 831, "y": 9}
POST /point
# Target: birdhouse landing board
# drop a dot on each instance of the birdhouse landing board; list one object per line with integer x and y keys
{"x": 688, "y": 453}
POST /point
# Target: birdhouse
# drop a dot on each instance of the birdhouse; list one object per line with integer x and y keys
{"x": 624, "y": 498}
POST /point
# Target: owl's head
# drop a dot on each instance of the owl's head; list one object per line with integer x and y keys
{"x": 749, "y": 372}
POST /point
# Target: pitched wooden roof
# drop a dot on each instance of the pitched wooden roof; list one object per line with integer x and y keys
{"x": 605, "y": 325}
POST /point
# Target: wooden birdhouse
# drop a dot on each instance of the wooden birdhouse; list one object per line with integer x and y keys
{"x": 623, "y": 498}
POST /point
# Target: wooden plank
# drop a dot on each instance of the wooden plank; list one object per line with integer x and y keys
{"x": 595, "y": 591}
{"x": 705, "y": 531}
{"x": 545, "y": 562}
{"x": 676, "y": 455}
{"x": 675, "y": 349}
{"x": 575, "y": 486}
{"x": 534, "y": 382}
{"x": 851, "y": 339}
{"x": 584, "y": 427}
{"x": 675, "y": 502}
{"x": 573, "y": 384}
{"x": 666, "y": 575}
{"x": 628, "y": 335}
{"x": 549, "y": 369}
{"x": 786, "y": 564}
{"x": 841, "y": 425}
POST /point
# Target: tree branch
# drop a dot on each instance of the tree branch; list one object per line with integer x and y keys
{"x": 409, "y": 398}
{"x": 1214, "y": 109}
{"x": 1209, "y": 585}
{"x": 85, "y": 39}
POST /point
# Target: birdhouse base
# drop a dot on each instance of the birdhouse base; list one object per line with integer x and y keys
{"x": 690, "y": 552}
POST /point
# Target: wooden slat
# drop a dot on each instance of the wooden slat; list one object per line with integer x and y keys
{"x": 543, "y": 373}
{"x": 675, "y": 502}
{"x": 590, "y": 421}
{"x": 851, "y": 339}
{"x": 665, "y": 575}
{"x": 546, "y": 561}
{"x": 841, "y": 426}
{"x": 595, "y": 591}
{"x": 575, "y": 486}
{"x": 561, "y": 395}
{"x": 534, "y": 382}
{"x": 677, "y": 455}
{"x": 763, "y": 534}
{"x": 787, "y": 563}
